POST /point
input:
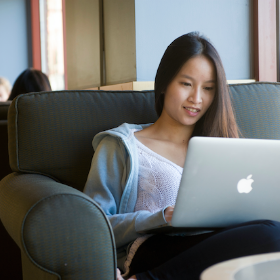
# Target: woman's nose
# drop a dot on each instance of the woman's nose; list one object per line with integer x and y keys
{"x": 195, "y": 96}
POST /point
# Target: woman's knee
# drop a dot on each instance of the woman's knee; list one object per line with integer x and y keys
{"x": 255, "y": 237}
{"x": 255, "y": 232}
{"x": 269, "y": 223}
{"x": 269, "y": 228}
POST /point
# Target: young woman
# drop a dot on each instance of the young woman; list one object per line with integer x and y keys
{"x": 136, "y": 170}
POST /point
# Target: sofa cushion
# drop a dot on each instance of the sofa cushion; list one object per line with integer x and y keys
{"x": 51, "y": 133}
{"x": 257, "y": 109}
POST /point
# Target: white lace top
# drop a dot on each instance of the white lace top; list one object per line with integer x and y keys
{"x": 158, "y": 180}
{"x": 158, "y": 184}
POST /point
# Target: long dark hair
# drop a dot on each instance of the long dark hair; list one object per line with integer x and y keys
{"x": 219, "y": 120}
{"x": 30, "y": 80}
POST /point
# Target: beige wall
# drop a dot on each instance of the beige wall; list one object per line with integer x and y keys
{"x": 83, "y": 43}
{"x": 119, "y": 41}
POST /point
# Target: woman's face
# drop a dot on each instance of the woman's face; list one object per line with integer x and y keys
{"x": 191, "y": 92}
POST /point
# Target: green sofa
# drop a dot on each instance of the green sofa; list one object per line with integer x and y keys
{"x": 62, "y": 233}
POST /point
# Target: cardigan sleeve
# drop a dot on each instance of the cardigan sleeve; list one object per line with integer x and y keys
{"x": 106, "y": 182}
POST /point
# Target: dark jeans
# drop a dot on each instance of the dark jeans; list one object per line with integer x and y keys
{"x": 170, "y": 260}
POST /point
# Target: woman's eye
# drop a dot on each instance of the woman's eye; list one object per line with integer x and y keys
{"x": 186, "y": 84}
{"x": 209, "y": 88}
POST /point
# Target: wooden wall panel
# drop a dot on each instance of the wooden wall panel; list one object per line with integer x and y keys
{"x": 265, "y": 57}
{"x": 83, "y": 40}
{"x": 119, "y": 41}
{"x": 35, "y": 34}
{"x": 64, "y": 44}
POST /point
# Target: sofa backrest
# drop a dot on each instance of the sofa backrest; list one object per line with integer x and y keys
{"x": 51, "y": 133}
{"x": 257, "y": 109}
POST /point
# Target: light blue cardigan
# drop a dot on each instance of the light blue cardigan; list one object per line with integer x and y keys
{"x": 112, "y": 182}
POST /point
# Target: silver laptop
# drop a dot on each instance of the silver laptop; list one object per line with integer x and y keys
{"x": 226, "y": 181}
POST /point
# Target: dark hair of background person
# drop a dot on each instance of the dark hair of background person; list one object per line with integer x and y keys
{"x": 219, "y": 120}
{"x": 30, "y": 80}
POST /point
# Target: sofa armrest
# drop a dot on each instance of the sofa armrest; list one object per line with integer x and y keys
{"x": 59, "y": 228}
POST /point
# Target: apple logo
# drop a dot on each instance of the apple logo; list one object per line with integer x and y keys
{"x": 244, "y": 185}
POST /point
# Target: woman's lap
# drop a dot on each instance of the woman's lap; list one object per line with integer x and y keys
{"x": 160, "y": 248}
{"x": 187, "y": 259}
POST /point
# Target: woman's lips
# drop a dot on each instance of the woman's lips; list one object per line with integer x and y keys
{"x": 192, "y": 111}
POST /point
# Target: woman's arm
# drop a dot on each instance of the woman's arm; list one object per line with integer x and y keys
{"x": 106, "y": 184}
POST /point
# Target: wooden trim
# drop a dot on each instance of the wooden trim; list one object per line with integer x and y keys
{"x": 243, "y": 81}
{"x": 143, "y": 85}
{"x": 35, "y": 34}
{"x": 137, "y": 86}
{"x": 256, "y": 39}
{"x": 278, "y": 38}
{"x": 94, "y": 88}
{"x": 123, "y": 86}
{"x": 149, "y": 85}
{"x": 101, "y": 40}
{"x": 265, "y": 54}
{"x": 64, "y": 44}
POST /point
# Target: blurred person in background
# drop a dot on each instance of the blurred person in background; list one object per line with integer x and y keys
{"x": 30, "y": 80}
{"x": 5, "y": 89}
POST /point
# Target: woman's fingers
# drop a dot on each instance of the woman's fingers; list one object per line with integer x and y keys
{"x": 168, "y": 212}
{"x": 119, "y": 277}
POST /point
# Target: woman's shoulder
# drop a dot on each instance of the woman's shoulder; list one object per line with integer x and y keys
{"x": 122, "y": 132}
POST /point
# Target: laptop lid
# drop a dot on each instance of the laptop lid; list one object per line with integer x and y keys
{"x": 227, "y": 181}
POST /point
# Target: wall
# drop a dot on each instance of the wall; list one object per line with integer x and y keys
{"x": 228, "y": 23}
{"x": 14, "y": 38}
{"x": 138, "y": 33}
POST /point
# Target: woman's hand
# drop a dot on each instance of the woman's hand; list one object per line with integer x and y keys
{"x": 168, "y": 213}
{"x": 119, "y": 277}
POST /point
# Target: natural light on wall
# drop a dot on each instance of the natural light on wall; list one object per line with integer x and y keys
{"x": 51, "y": 28}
